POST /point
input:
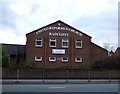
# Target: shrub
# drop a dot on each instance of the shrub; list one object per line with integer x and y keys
{"x": 98, "y": 63}
{"x": 106, "y": 63}
{"x": 30, "y": 65}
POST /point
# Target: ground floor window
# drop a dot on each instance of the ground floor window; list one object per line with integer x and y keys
{"x": 79, "y": 60}
{"x": 52, "y": 58}
{"x": 64, "y": 59}
{"x": 38, "y": 58}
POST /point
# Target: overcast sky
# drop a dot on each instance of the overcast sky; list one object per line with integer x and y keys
{"x": 97, "y": 18}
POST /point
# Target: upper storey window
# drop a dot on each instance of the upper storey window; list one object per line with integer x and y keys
{"x": 65, "y": 43}
{"x": 38, "y": 42}
{"x": 52, "y": 43}
{"x": 78, "y": 43}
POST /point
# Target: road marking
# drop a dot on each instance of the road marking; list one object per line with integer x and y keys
{"x": 55, "y": 87}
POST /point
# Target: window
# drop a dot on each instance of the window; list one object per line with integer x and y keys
{"x": 65, "y": 43}
{"x": 52, "y": 58}
{"x": 52, "y": 43}
{"x": 38, "y": 58}
{"x": 64, "y": 59}
{"x": 78, "y": 43}
{"x": 78, "y": 59}
{"x": 38, "y": 42}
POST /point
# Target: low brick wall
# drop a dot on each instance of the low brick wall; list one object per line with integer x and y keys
{"x": 60, "y": 74}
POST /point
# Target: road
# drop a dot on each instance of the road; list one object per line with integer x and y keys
{"x": 60, "y": 86}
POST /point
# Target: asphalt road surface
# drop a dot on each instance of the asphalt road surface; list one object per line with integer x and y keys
{"x": 71, "y": 86}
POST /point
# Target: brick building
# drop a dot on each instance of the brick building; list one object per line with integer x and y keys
{"x": 12, "y": 49}
{"x": 117, "y": 52}
{"x": 59, "y": 45}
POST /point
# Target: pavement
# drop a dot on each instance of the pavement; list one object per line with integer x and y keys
{"x": 59, "y": 81}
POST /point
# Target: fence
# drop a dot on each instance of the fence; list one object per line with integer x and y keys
{"x": 59, "y": 74}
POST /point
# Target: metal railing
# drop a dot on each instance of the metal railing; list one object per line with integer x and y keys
{"x": 60, "y": 74}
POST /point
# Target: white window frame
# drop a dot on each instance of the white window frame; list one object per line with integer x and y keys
{"x": 36, "y": 58}
{"x": 65, "y": 40}
{"x": 53, "y": 40}
{"x": 78, "y": 41}
{"x": 62, "y": 59}
{"x": 78, "y": 60}
{"x": 52, "y": 59}
{"x": 38, "y": 39}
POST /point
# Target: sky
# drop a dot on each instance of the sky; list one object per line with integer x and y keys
{"x": 96, "y": 18}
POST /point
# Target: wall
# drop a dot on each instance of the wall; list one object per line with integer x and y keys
{"x": 45, "y": 51}
{"x": 117, "y": 52}
{"x": 97, "y": 51}
{"x": 60, "y": 74}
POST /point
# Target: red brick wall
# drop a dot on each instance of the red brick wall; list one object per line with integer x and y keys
{"x": 117, "y": 52}
{"x": 97, "y": 51}
{"x": 45, "y": 51}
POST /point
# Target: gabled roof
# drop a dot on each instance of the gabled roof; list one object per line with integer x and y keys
{"x": 117, "y": 50}
{"x": 99, "y": 46}
{"x": 59, "y": 21}
{"x": 13, "y": 48}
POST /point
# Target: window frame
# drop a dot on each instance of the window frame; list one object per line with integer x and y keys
{"x": 78, "y": 61}
{"x": 64, "y": 60}
{"x": 38, "y": 39}
{"x": 52, "y": 40}
{"x": 65, "y": 40}
{"x": 51, "y": 59}
{"x": 38, "y": 59}
{"x": 78, "y": 41}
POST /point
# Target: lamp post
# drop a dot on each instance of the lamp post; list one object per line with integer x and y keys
{"x": 17, "y": 62}
{"x": 67, "y": 76}
{"x": 43, "y": 74}
{"x": 89, "y": 75}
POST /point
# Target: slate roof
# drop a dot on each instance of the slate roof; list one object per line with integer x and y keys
{"x": 13, "y": 48}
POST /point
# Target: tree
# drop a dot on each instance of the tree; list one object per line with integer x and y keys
{"x": 5, "y": 57}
